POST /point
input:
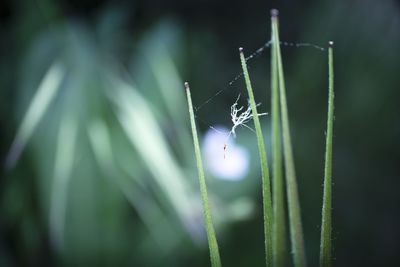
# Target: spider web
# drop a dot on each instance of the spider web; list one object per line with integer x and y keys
{"x": 257, "y": 53}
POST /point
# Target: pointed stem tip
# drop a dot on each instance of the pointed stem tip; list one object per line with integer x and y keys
{"x": 187, "y": 86}
{"x": 330, "y": 43}
{"x": 274, "y": 12}
{"x": 240, "y": 49}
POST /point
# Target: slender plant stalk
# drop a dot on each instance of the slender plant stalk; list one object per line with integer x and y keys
{"x": 267, "y": 205}
{"x": 212, "y": 240}
{"x": 296, "y": 231}
{"x": 325, "y": 257}
{"x": 278, "y": 228}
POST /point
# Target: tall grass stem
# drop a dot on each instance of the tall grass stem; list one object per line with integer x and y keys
{"x": 266, "y": 190}
{"x": 278, "y": 228}
{"x": 326, "y": 225}
{"x": 296, "y": 229}
{"x": 212, "y": 240}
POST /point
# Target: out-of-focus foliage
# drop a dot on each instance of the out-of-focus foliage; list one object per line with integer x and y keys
{"x": 112, "y": 163}
{"x": 107, "y": 173}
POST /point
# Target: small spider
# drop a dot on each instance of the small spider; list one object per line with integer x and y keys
{"x": 225, "y": 148}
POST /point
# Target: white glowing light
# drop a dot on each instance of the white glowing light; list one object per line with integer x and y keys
{"x": 231, "y": 163}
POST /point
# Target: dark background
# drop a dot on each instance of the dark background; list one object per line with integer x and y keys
{"x": 202, "y": 38}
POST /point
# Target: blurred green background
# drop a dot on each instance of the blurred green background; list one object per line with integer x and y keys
{"x": 97, "y": 161}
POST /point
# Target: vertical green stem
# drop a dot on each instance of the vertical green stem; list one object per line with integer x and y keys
{"x": 296, "y": 229}
{"x": 212, "y": 240}
{"x": 267, "y": 205}
{"x": 326, "y": 227}
{"x": 278, "y": 233}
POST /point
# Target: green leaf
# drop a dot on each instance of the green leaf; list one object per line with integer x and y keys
{"x": 45, "y": 94}
{"x": 140, "y": 126}
{"x": 63, "y": 168}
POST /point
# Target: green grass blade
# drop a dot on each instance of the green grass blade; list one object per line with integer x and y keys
{"x": 63, "y": 168}
{"x": 278, "y": 228}
{"x": 140, "y": 127}
{"x": 296, "y": 231}
{"x": 267, "y": 205}
{"x": 104, "y": 153}
{"x": 326, "y": 227}
{"x": 212, "y": 240}
{"x": 40, "y": 103}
